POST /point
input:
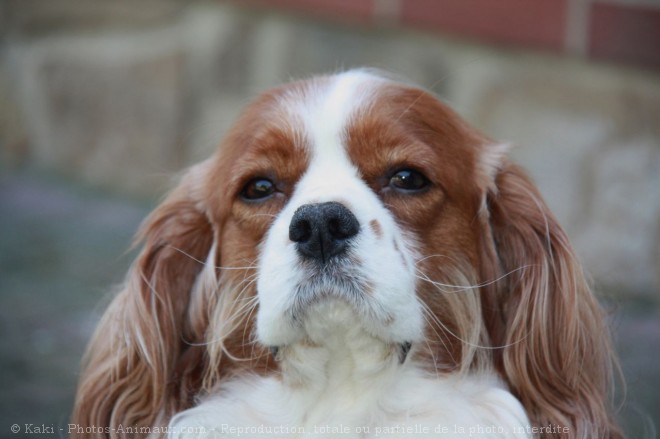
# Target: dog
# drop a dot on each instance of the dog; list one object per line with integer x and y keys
{"x": 355, "y": 260}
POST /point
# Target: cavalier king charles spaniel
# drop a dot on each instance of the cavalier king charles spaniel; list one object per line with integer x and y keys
{"x": 354, "y": 261}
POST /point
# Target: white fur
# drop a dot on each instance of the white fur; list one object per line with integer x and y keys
{"x": 341, "y": 372}
{"x": 351, "y": 383}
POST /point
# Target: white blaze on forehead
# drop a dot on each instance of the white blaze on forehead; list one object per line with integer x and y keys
{"x": 329, "y": 121}
{"x": 328, "y": 106}
{"x": 325, "y": 116}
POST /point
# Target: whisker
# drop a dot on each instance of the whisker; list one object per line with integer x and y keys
{"x": 247, "y": 267}
{"x": 250, "y": 342}
{"x": 436, "y": 320}
{"x": 245, "y": 308}
{"x": 468, "y": 343}
{"x": 264, "y": 214}
{"x": 468, "y": 287}
{"x": 426, "y": 314}
{"x": 435, "y": 256}
{"x": 421, "y": 94}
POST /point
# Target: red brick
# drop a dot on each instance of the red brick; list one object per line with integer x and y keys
{"x": 625, "y": 33}
{"x": 538, "y": 23}
{"x": 348, "y": 10}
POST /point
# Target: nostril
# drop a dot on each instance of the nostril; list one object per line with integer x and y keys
{"x": 334, "y": 228}
{"x": 343, "y": 225}
{"x": 300, "y": 231}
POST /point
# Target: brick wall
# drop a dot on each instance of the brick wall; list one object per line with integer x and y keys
{"x": 625, "y": 31}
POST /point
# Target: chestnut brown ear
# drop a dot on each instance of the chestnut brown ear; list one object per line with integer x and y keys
{"x": 141, "y": 365}
{"x": 557, "y": 355}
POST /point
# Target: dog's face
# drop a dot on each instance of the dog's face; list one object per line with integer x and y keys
{"x": 352, "y": 200}
{"x": 358, "y": 189}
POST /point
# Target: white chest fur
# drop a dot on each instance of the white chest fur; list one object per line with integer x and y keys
{"x": 348, "y": 384}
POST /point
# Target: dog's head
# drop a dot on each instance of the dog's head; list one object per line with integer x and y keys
{"x": 353, "y": 201}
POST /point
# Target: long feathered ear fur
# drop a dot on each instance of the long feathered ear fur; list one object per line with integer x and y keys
{"x": 142, "y": 364}
{"x": 557, "y": 355}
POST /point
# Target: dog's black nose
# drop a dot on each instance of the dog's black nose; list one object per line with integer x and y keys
{"x": 322, "y": 230}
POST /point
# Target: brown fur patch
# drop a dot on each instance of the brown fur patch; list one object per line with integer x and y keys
{"x": 375, "y": 227}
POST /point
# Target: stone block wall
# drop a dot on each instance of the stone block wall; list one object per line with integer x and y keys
{"x": 123, "y": 97}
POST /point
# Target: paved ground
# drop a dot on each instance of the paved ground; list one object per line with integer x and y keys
{"x": 63, "y": 247}
{"x": 61, "y": 250}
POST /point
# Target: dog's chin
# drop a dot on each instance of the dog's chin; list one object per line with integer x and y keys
{"x": 334, "y": 308}
{"x": 330, "y": 319}
{"x": 326, "y": 309}
{"x": 335, "y": 281}
{"x": 334, "y": 323}
{"x": 332, "y": 305}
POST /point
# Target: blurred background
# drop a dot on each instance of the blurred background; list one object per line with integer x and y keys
{"x": 103, "y": 102}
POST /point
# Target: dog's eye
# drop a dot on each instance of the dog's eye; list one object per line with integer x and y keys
{"x": 408, "y": 180}
{"x": 257, "y": 189}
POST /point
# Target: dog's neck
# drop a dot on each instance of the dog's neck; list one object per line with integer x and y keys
{"x": 338, "y": 355}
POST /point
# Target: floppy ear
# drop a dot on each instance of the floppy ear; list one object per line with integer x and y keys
{"x": 141, "y": 365}
{"x": 556, "y": 355}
